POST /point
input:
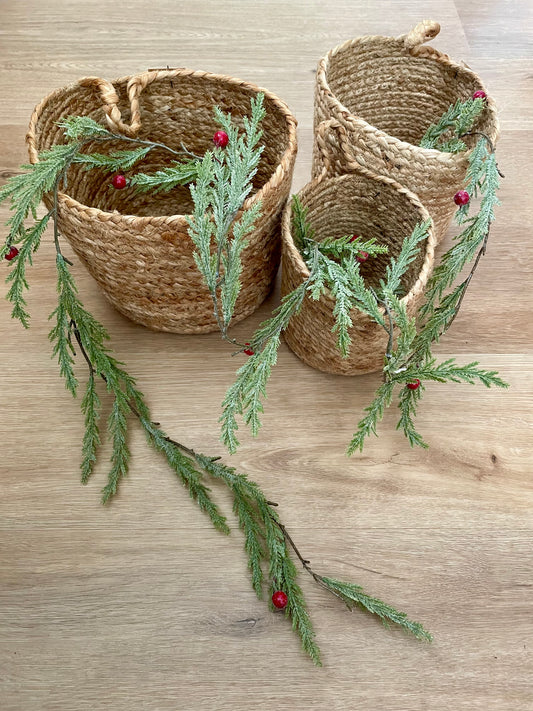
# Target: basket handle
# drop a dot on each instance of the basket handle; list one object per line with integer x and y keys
{"x": 330, "y": 150}
{"x": 110, "y": 99}
{"x": 423, "y": 32}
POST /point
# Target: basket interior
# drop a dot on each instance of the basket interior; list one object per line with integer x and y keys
{"x": 380, "y": 82}
{"x": 173, "y": 113}
{"x": 353, "y": 204}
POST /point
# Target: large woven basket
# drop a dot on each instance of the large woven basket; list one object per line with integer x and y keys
{"x": 386, "y": 91}
{"x": 136, "y": 246}
{"x": 369, "y": 206}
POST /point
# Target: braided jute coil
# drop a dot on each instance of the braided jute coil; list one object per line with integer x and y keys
{"x": 137, "y": 246}
{"x": 368, "y": 205}
{"x": 386, "y": 91}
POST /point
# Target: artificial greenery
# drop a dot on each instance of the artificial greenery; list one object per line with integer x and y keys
{"x": 447, "y": 134}
{"x": 333, "y": 265}
{"x": 225, "y": 179}
{"x": 221, "y": 183}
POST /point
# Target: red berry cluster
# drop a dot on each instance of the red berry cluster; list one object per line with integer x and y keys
{"x": 414, "y": 385}
{"x": 248, "y": 351}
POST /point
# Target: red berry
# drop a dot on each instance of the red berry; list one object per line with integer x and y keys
{"x": 221, "y": 139}
{"x": 13, "y": 251}
{"x": 353, "y": 238}
{"x": 119, "y": 181}
{"x": 362, "y": 257}
{"x": 279, "y": 599}
{"x": 479, "y": 95}
{"x": 248, "y": 351}
{"x": 461, "y": 197}
{"x": 414, "y": 385}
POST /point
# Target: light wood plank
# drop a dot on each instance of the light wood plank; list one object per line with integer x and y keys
{"x": 141, "y": 605}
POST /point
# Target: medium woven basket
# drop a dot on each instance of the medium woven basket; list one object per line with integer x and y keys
{"x": 136, "y": 246}
{"x": 369, "y": 206}
{"x": 386, "y": 92}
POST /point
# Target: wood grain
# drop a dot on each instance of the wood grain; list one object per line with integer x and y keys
{"x": 141, "y": 605}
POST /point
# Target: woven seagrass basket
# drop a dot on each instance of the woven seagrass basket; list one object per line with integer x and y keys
{"x": 136, "y": 246}
{"x": 369, "y": 206}
{"x": 386, "y": 92}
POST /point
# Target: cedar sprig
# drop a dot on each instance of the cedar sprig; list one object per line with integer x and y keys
{"x": 407, "y": 402}
{"x": 114, "y": 161}
{"x": 224, "y": 181}
{"x": 484, "y": 180}
{"x": 86, "y": 129}
{"x": 367, "y": 425}
{"x": 452, "y": 125}
{"x": 354, "y": 596}
{"x": 245, "y": 397}
{"x": 260, "y": 521}
{"x": 450, "y": 371}
{"x": 397, "y": 266}
{"x": 30, "y": 240}
{"x": 336, "y": 248}
{"x": 91, "y": 408}
{"x": 26, "y": 191}
{"x": 168, "y": 178}
{"x": 82, "y": 128}
{"x": 413, "y": 361}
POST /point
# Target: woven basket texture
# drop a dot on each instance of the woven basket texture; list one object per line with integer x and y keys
{"x": 137, "y": 246}
{"x": 369, "y": 207}
{"x": 386, "y": 92}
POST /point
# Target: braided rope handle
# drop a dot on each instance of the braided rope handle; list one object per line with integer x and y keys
{"x": 134, "y": 89}
{"x": 329, "y": 150}
{"x": 343, "y": 149}
{"x": 421, "y": 33}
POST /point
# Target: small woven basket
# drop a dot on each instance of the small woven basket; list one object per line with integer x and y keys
{"x": 137, "y": 246}
{"x": 369, "y": 206}
{"x": 386, "y": 92}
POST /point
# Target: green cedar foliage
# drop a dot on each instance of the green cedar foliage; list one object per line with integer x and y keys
{"x": 167, "y": 178}
{"x": 26, "y": 190}
{"x": 224, "y": 181}
{"x": 333, "y": 266}
{"x": 265, "y": 540}
{"x": 112, "y": 162}
{"x": 354, "y": 596}
{"x": 412, "y": 360}
{"x": 75, "y": 331}
{"x": 452, "y": 126}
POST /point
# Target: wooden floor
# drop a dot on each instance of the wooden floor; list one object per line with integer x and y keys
{"x": 141, "y": 605}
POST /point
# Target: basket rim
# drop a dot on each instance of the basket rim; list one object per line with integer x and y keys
{"x": 343, "y": 113}
{"x": 283, "y": 167}
{"x": 299, "y": 262}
